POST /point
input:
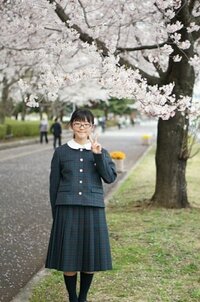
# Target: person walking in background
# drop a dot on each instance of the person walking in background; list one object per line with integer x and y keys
{"x": 44, "y": 130}
{"x": 102, "y": 123}
{"x": 79, "y": 240}
{"x": 56, "y": 129}
{"x": 120, "y": 122}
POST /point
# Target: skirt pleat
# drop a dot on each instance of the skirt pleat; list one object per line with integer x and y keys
{"x": 79, "y": 240}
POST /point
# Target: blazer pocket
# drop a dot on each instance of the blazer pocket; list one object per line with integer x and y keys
{"x": 64, "y": 188}
{"x": 97, "y": 190}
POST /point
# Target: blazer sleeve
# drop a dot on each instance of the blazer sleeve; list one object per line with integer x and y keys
{"x": 105, "y": 166}
{"x": 54, "y": 180}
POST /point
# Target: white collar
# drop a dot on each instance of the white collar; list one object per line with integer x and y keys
{"x": 74, "y": 145}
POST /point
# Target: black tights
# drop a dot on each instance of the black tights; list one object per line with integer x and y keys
{"x": 85, "y": 282}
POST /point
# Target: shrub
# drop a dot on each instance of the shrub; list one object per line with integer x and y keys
{"x": 21, "y": 129}
{"x": 2, "y": 131}
{"x": 26, "y": 129}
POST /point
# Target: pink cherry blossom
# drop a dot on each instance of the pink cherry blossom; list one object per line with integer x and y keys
{"x": 104, "y": 48}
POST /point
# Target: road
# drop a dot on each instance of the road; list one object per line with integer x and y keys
{"x": 25, "y": 210}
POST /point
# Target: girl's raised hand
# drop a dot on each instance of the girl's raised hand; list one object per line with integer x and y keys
{"x": 95, "y": 146}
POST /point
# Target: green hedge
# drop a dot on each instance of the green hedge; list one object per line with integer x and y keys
{"x": 2, "y": 131}
{"x": 21, "y": 129}
{"x": 111, "y": 123}
{"x": 17, "y": 129}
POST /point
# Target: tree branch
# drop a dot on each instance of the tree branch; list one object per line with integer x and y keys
{"x": 84, "y": 13}
{"x": 142, "y": 47}
{"x": 53, "y": 29}
{"x": 13, "y": 81}
{"x": 191, "y": 5}
{"x": 196, "y": 34}
{"x": 151, "y": 80}
{"x": 197, "y": 20}
{"x": 83, "y": 36}
{"x": 101, "y": 45}
{"x": 21, "y": 49}
{"x": 156, "y": 65}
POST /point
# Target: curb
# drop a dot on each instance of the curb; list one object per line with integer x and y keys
{"x": 18, "y": 143}
{"x": 26, "y": 291}
{"x": 25, "y": 142}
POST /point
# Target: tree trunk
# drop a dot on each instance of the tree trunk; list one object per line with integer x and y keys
{"x": 4, "y": 100}
{"x": 171, "y": 159}
{"x": 172, "y": 146}
{"x": 23, "y": 113}
{"x": 2, "y": 113}
{"x": 172, "y": 140}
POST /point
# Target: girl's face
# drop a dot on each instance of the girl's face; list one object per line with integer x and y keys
{"x": 81, "y": 129}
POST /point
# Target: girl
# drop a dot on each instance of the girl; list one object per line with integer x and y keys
{"x": 79, "y": 237}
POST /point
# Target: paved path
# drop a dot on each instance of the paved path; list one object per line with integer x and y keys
{"x": 26, "y": 216}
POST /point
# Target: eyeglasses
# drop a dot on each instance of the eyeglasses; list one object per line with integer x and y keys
{"x": 84, "y": 125}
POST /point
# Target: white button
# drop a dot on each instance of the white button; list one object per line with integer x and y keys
{"x": 80, "y": 193}
{"x": 81, "y": 149}
{"x": 80, "y": 181}
{"x": 81, "y": 170}
{"x": 81, "y": 159}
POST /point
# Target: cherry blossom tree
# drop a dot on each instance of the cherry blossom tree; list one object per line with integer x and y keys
{"x": 147, "y": 51}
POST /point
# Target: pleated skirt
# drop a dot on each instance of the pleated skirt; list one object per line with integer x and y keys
{"x": 79, "y": 240}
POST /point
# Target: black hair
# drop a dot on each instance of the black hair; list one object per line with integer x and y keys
{"x": 82, "y": 115}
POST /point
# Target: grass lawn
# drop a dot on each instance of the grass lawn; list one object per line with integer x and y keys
{"x": 156, "y": 252}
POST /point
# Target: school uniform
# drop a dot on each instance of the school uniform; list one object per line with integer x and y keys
{"x": 79, "y": 237}
{"x": 56, "y": 129}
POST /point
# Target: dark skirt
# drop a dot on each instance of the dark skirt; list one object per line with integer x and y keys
{"x": 79, "y": 240}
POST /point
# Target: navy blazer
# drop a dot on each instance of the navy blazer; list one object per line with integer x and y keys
{"x": 56, "y": 129}
{"x": 76, "y": 177}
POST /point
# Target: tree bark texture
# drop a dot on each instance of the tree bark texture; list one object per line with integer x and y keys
{"x": 3, "y": 100}
{"x": 171, "y": 160}
{"x": 172, "y": 146}
{"x": 172, "y": 139}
